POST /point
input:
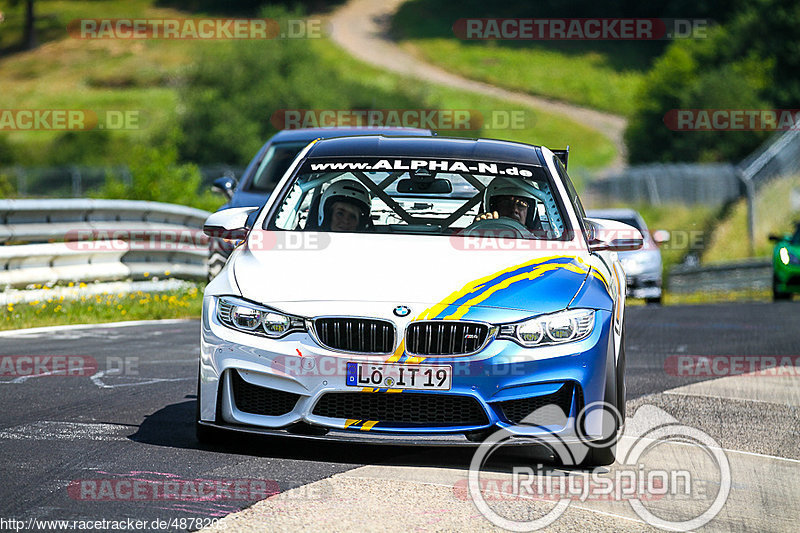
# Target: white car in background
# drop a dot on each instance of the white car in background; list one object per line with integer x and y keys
{"x": 643, "y": 267}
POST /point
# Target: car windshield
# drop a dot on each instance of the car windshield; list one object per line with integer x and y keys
{"x": 420, "y": 196}
{"x": 274, "y": 164}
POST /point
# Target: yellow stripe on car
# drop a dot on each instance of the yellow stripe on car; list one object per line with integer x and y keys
{"x": 530, "y": 275}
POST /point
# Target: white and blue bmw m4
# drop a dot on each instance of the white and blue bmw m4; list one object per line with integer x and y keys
{"x": 417, "y": 290}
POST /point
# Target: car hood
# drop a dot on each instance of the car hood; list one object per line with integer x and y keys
{"x": 313, "y": 273}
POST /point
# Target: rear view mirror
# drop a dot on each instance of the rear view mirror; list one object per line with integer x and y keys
{"x": 229, "y": 223}
{"x": 613, "y": 236}
{"x": 225, "y": 185}
{"x": 435, "y": 186}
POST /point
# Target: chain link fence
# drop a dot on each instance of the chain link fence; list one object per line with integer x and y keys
{"x": 712, "y": 184}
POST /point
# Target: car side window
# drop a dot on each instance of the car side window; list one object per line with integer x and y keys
{"x": 572, "y": 193}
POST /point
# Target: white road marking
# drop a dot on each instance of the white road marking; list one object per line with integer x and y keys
{"x": 97, "y": 379}
{"x": 23, "y": 379}
{"x": 29, "y": 332}
{"x": 55, "y": 430}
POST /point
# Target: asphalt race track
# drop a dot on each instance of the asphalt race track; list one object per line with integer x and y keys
{"x": 62, "y": 434}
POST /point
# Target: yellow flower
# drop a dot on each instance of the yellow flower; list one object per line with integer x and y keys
{"x": 123, "y": 312}
{"x": 82, "y": 285}
{"x": 147, "y": 274}
{"x": 70, "y": 284}
{"x": 166, "y": 272}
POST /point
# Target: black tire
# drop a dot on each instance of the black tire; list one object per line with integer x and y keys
{"x": 605, "y": 453}
{"x": 621, "y": 388}
{"x": 779, "y": 295}
{"x": 653, "y": 301}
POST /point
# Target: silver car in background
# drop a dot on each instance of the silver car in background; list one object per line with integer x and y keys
{"x": 643, "y": 267}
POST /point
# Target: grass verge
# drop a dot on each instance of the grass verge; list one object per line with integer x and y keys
{"x": 588, "y": 148}
{"x": 598, "y": 74}
{"x": 144, "y": 76}
{"x": 105, "y": 307}
{"x": 774, "y": 214}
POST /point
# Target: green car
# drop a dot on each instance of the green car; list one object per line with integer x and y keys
{"x": 786, "y": 265}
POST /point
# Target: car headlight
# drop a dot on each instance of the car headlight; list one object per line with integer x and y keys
{"x": 788, "y": 257}
{"x": 557, "y": 328}
{"x": 252, "y": 318}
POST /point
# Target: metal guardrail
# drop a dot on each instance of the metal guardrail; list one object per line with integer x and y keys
{"x": 78, "y": 240}
{"x": 76, "y": 180}
{"x": 753, "y": 274}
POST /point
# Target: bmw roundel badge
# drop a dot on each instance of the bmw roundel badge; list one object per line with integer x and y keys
{"x": 402, "y": 310}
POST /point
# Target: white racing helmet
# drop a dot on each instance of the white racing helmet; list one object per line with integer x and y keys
{"x": 345, "y": 190}
{"x": 511, "y": 187}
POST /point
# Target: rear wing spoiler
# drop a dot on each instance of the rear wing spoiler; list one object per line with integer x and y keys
{"x": 563, "y": 155}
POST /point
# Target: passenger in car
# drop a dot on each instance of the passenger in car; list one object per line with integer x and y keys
{"x": 345, "y": 206}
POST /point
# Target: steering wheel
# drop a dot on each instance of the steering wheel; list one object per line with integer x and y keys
{"x": 498, "y": 227}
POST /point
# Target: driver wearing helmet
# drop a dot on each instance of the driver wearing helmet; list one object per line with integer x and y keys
{"x": 511, "y": 198}
{"x": 345, "y": 206}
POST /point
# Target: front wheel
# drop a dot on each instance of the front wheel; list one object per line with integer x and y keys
{"x": 778, "y": 295}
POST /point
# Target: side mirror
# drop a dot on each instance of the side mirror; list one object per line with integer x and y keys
{"x": 224, "y": 185}
{"x": 229, "y": 223}
{"x": 660, "y": 236}
{"x": 613, "y": 236}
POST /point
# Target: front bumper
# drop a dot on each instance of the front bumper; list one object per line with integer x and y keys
{"x": 787, "y": 277}
{"x": 289, "y": 377}
{"x": 646, "y": 285}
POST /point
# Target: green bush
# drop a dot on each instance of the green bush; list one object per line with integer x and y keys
{"x": 752, "y": 62}
{"x": 235, "y": 87}
{"x": 6, "y": 151}
{"x": 156, "y": 175}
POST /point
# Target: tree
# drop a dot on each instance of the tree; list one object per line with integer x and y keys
{"x": 29, "y": 34}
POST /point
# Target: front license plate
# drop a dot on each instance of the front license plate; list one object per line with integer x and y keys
{"x": 418, "y": 377}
